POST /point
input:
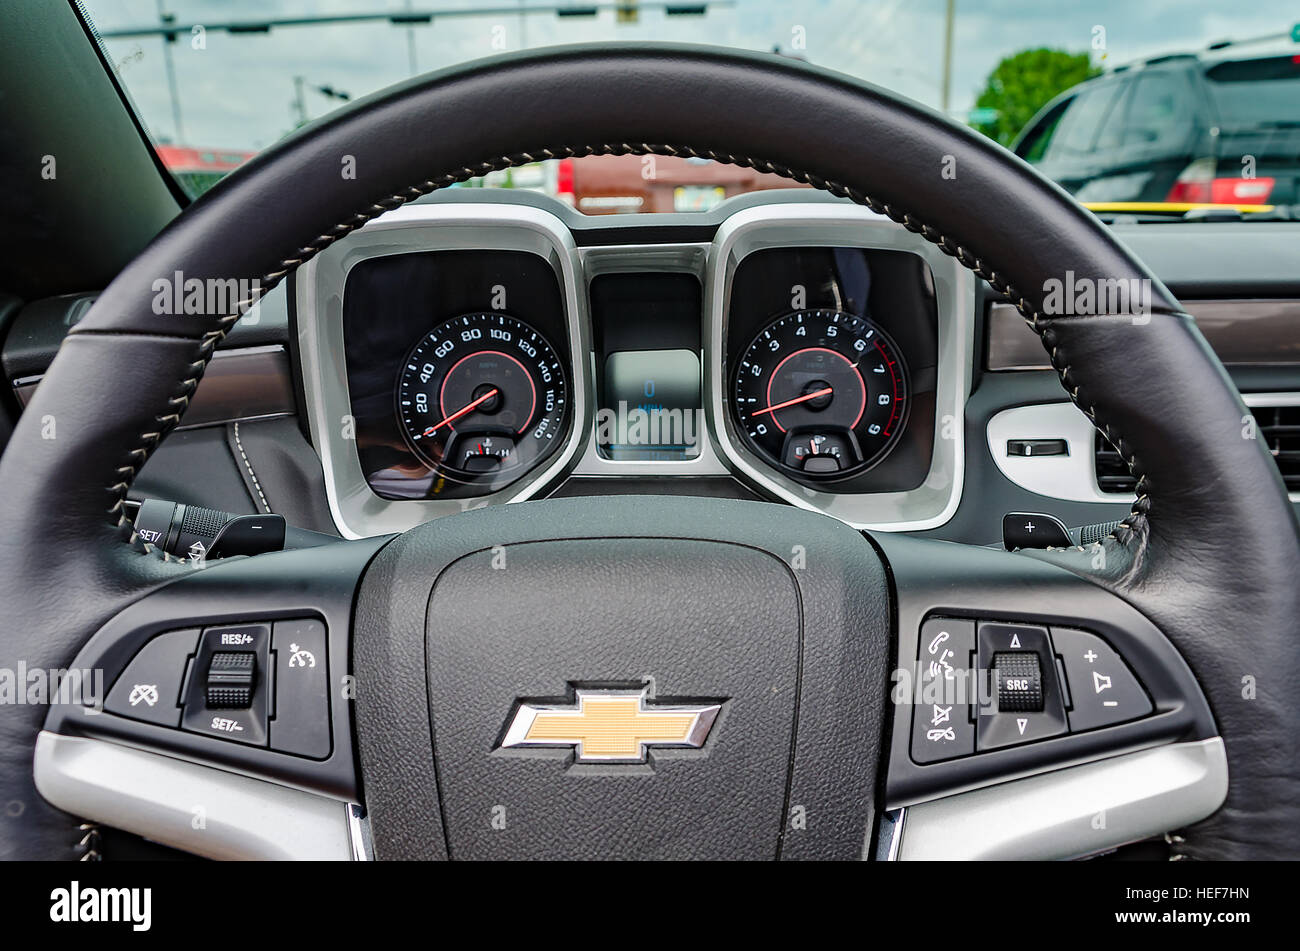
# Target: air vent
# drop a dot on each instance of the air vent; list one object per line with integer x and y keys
{"x": 1112, "y": 470}
{"x": 1279, "y": 430}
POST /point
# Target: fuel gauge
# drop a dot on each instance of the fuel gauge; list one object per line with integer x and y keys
{"x": 820, "y": 453}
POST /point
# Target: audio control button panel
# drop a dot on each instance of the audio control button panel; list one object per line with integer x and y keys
{"x": 983, "y": 685}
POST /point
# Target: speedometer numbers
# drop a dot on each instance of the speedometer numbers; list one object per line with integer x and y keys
{"x": 820, "y": 394}
{"x": 482, "y": 398}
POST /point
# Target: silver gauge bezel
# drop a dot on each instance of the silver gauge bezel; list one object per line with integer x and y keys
{"x": 826, "y": 224}
{"x": 357, "y": 510}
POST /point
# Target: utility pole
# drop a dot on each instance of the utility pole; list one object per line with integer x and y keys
{"x": 299, "y": 100}
{"x": 168, "y": 39}
{"x": 410, "y": 43}
{"x": 945, "y": 88}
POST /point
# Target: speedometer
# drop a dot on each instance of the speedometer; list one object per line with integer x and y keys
{"x": 482, "y": 398}
{"x": 821, "y": 394}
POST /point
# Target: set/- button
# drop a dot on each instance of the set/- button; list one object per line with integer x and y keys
{"x": 231, "y": 677}
{"x": 229, "y": 694}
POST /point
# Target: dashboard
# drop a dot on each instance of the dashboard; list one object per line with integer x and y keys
{"x": 475, "y": 352}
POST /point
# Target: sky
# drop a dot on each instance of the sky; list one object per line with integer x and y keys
{"x": 238, "y": 92}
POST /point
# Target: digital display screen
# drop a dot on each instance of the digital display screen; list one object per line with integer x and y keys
{"x": 651, "y": 408}
{"x": 647, "y": 335}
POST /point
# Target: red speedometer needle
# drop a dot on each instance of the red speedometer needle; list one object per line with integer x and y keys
{"x": 462, "y": 411}
{"x": 798, "y": 399}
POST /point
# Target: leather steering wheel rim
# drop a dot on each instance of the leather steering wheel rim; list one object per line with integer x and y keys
{"x": 1210, "y": 552}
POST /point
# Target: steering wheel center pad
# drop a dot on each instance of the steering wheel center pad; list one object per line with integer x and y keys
{"x": 1211, "y": 553}
{"x": 778, "y": 616}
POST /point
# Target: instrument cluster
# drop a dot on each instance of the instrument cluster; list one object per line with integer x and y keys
{"x": 805, "y": 371}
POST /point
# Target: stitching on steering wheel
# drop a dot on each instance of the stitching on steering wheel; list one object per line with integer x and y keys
{"x": 208, "y": 343}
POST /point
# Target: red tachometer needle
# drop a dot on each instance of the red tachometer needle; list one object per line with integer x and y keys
{"x": 462, "y": 411}
{"x": 798, "y": 399}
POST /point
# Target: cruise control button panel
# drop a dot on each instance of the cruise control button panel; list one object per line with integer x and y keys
{"x": 260, "y": 683}
{"x": 1103, "y": 689}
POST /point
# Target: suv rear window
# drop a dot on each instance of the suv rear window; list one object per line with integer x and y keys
{"x": 1257, "y": 92}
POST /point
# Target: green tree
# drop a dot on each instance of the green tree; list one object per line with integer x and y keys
{"x": 1023, "y": 83}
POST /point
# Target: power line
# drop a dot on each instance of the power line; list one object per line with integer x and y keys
{"x": 410, "y": 17}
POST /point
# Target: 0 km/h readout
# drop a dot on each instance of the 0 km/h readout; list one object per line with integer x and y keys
{"x": 481, "y": 397}
{"x": 821, "y": 394}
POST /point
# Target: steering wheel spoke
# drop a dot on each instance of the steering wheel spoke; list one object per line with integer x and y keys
{"x": 237, "y": 673}
{"x": 1014, "y": 673}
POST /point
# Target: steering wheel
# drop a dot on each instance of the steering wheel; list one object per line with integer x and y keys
{"x": 687, "y": 603}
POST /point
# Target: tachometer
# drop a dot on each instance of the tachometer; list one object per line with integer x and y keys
{"x": 821, "y": 394}
{"x": 482, "y": 398}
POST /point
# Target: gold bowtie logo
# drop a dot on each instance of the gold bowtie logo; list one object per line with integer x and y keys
{"x": 611, "y": 725}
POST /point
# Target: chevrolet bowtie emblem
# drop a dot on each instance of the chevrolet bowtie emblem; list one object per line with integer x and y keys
{"x": 611, "y": 725}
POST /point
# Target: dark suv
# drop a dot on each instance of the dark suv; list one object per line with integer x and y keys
{"x": 1221, "y": 126}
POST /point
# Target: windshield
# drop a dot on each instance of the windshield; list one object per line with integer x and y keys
{"x": 1124, "y": 104}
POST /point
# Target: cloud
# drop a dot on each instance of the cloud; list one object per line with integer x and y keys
{"x": 239, "y": 92}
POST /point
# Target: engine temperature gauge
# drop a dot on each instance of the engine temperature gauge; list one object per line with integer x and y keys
{"x": 821, "y": 453}
{"x": 483, "y": 453}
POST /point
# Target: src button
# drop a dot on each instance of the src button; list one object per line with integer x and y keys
{"x": 1020, "y": 682}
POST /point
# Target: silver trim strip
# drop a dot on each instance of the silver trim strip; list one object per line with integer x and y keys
{"x": 836, "y": 224}
{"x": 1069, "y": 813}
{"x": 1073, "y": 477}
{"x": 892, "y": 826}
{"x": 363, "y": 846}
{"x": 358, "y": 512}
{"x": 198, "y": 809}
